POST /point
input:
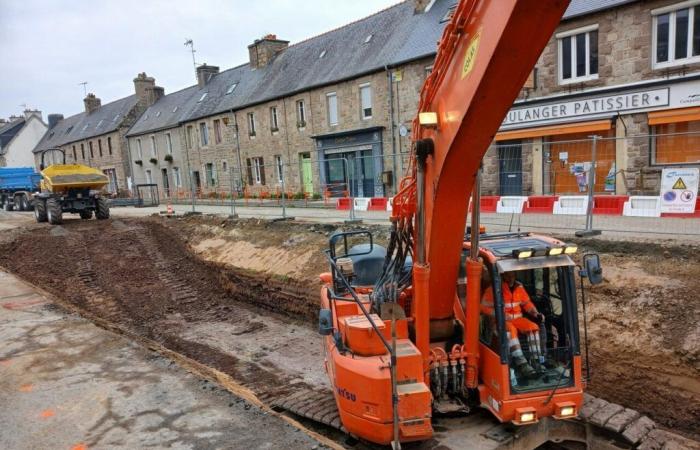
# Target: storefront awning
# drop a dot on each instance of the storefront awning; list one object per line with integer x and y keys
{"x": 674, "y": 115}
{"x": 554, "y": 130}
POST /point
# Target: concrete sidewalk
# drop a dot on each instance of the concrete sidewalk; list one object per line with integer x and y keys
{"x": 67, "y": 384}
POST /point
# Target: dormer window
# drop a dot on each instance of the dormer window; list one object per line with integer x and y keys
{"x": 231, "y": 88}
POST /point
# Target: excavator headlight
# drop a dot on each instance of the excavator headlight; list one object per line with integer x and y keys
{"x": 524, "y": 416}
{"x": 522, "y": 253}
{"x": 554, "y": 251}
{"x": 565, "y": 410}
{"x": 570, "y": 249}
{"x": 428, "y": 119}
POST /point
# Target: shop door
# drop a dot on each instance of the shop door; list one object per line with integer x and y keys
{"x": 337, "y": 175}
{"x": 307, "y": 173}
{"x": 510, "y": 168}
{"x": 366, "y": 174}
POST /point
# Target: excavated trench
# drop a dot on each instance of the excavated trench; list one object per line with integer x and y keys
{"x": 241, "y": 297}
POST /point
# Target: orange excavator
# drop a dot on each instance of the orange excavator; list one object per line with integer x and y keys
{"x": 426, "y": 325}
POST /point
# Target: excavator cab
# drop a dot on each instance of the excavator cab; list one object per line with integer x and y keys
{"x": 529, "y": 333}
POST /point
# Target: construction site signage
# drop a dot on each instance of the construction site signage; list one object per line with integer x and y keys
{"x": 679, "y": 190}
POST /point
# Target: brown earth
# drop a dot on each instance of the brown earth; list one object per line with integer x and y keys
{"x": 187, "y": 282}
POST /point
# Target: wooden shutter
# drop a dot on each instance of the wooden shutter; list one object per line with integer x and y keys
{"x": 262, "y": 171}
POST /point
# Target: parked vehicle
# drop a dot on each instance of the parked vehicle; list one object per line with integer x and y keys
{"x": 17, "y": 186}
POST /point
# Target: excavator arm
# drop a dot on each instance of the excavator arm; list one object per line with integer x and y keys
{"x": 485, "y": 55}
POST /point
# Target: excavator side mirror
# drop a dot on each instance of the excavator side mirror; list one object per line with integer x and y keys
{"x": 325, "y": 322}
{"x": 593, "y": 270}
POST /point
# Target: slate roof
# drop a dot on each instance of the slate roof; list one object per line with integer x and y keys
{"x": 398, "y": 36}
{"x": 9, "y": 130}
{"x": 81, "y": 126}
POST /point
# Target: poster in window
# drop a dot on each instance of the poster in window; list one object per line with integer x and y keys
{"x": 679, "y": 190}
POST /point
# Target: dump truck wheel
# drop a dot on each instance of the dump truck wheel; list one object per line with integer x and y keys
{"x": 86, "y": 214}
{"x": 40, "y": 210}
{"x": 54, "y": 212}
{"x": 7, "y": 206}
{"x": 24, "y": 204}
{"x": 102, "y": 211}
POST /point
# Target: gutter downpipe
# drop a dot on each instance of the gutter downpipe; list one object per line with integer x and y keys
{"x": 390, "y": 85}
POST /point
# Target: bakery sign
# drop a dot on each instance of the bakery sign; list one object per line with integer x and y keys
{"x": 588, "y": 107}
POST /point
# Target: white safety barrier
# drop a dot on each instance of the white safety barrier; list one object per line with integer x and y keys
{"x": 511, "y": 205}
{"x": 571, "y": 205}
{"x": 390, "y": 204}
{"x": 642, "y": 206}
{"x": 361, "y": 203}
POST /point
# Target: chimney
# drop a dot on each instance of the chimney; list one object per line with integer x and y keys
{"x": 54, "y": 119}
{"x": 204, "y": 74}
{"x": 92, "y": 103}
{"x": 142, "y": 84}
{"x": 32, "y": 112}
{"x": 262, "y": 51}
{"x": 422, "y": 6}
{"x": 154, "y": 94}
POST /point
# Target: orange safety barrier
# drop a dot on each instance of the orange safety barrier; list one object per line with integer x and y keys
{"x": 488, "y": 203}
{"x": 609, "y": 204}
{"x": 543, "y": 204}
{"x": 377, "y": 204}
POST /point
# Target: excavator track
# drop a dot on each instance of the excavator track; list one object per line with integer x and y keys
{"x": 604, "y": 424}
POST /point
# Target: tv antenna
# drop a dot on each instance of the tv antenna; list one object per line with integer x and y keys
{"x": 84, "y": 84}
{"x": 189, "y": 43}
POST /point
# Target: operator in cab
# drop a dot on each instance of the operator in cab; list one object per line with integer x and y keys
{"x": 516, "y": 301}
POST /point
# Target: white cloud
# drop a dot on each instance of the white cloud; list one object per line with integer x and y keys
{"x": 48, "y": 47}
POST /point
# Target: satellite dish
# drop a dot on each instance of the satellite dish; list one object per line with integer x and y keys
{"x": 403, "y": 131}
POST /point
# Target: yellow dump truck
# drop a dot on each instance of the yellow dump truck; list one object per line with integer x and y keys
{"x": 71, "y": 188}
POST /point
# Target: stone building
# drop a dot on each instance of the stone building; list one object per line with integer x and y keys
{"x": 625, "y": 71}
{"x": 96, "y": 137}
{"x": 332, "y": 114}
{"x": 18, "y": 137}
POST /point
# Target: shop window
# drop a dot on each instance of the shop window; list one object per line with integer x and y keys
{"x": 569, "y": 160}
{"x": 676, "y": 143}
{"x": 578, "y": 55}
{"x": 676, "y": 34}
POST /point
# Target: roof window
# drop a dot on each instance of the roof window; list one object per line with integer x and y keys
{"x": 70, "y": 128}
{"x": 368, "y": 38}
{"x": 86, "y": 126}
{"x": 231, "y": 88}
{"x": 99, "y": 123}
{"x": 115, "y": 118}
{"x": 202, "y": 97}
{"x": 323, "y": 53}
{"x": 51, "y": 135}
{"x": 448, "y": 15}
{"x": 158, "y": 114}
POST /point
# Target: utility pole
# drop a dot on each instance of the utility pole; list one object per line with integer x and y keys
{"x": 84, "y": 84}
{"x": 189, "y": 43}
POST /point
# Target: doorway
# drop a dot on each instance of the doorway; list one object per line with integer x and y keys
{"x": 197, "y": 180}
{"x": 166, "y": 183}
{"x": 307, "y": 173}
{"x": 510, "y": 168}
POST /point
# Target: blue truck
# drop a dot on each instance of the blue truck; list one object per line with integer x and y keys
{"x": 17, "y": 186}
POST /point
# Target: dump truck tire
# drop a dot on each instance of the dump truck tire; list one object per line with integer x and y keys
{"x": 54, "y": 212}
{"x": 7, "y": 206}
{"x": 102, "y": 211}
{"x": 40, "y": 210}
{"x": 24, "y": 204}
{"x": 86, "y": 214}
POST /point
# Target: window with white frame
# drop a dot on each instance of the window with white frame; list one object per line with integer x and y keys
{"x": 204, "y": 134}
{"x": 257, "y": 170}
{"x": 279, "y": 168}
{"x": 139, "y": 150}
{"x": 273, "y": 119}
{"x": 365, "y": 101}
{"x": 301, "y": 114}
{"x": 332, "y": 105}
{"x": 251, "y": 124}
{"x": 176, "y": 177}
{"x": 578, "y": 55}
{"x": 154, "y": 150}
{"x": 676, "y": 34}
{"x": 168, "y": 143}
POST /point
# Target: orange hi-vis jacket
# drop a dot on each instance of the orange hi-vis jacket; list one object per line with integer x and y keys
{"x": 514, "y": 302}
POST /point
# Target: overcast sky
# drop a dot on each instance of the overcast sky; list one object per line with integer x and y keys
{"x": 48, "y": 47}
